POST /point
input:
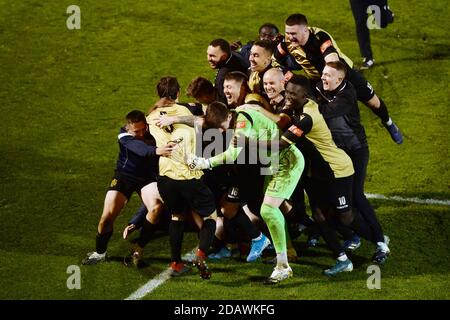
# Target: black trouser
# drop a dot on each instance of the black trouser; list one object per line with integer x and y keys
{"x": 360, "y": 159}
{"x": 332, "y": 202}
{"x": 359, "y": 9}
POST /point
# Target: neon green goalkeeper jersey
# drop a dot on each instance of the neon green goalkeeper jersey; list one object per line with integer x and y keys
{"x": 255, "y": 126}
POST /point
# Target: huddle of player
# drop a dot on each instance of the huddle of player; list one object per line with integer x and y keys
{"x": 237, "y": 162}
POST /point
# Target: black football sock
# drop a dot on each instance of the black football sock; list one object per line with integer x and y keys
{"x": 244, "y": 223}
{"x": 313, "y": 230}
{"x": 176, "y": 233}
{"x": 207, "y": 234}
{"x": 360, "y": 226}
{"x": 298, "y": 211}
{"x": 101, "y": 242}
{"x": 330, "y": 237}
{"x": 346, "y": 232}
{"x": 306, "y": 221}
{"x": 382, "y": 112}
{"x": 217, "y": 244}
{"x": 147, "y": 231}
{"x": 230, "y": 230}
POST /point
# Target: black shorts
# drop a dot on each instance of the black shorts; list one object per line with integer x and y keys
{"x": 127, "y": 184}
{"x": 220, "y": 180}
{"x": 179, "y": 195}
{"x": 251, "y": 186}
{"x": 336, "y": 193}
{"x": 364, "y": 90}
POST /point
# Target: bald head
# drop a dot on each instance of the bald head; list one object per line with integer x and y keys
{"x": 274, "y": 73}
{"x": 273, "y": 81}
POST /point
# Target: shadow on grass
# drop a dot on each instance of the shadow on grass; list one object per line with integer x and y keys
{"x": 66, "y": 191}
{"x": 436, "y": 52}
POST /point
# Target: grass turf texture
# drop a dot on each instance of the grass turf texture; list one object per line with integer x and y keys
{"x": 64, "y": 93}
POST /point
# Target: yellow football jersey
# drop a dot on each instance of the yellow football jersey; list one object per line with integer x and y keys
{"x": 174, "y": 166}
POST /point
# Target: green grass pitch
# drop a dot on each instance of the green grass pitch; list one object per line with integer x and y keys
{"x": 63, "y": 94}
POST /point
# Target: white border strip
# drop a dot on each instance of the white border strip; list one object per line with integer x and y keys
{"x": 150, "y": 286}
{"x": 414, "y": 200}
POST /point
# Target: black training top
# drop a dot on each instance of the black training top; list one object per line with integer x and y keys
{"x": 137, "y": 158}
{"x": 234, "y": 63}
{"x": 341, "y": 113}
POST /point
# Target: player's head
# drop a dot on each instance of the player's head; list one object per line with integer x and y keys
{"x": 268, "y": 31}
{"x": 261, "y": 55}
{"x": 218, "y": 116}
{"x": 297, "y": 90}
{"x": 296, "y": 29}
{"x": 235, "y": 88}
{"x": 273, "y": 82}
{"x": 202, "y": 90}
{"x": 168, "y": 87}
{"x": 136, "y": 124}
{"x": 333, "y": 74}
{"x": 218, "y": 52}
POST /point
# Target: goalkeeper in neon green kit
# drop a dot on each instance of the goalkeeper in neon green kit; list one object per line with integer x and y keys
{"x": 282, "y": 177}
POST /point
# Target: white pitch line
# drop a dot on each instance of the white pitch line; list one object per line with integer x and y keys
{"x": 414, "y": 200}
{"x": 153, "y": 283}
{"x": 150, "y": 286}
{"x": 165, "y": 275}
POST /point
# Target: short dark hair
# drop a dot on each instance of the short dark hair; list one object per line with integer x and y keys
{"x": 200, "y": 86}
{"x": 269, "y": 25}
{"x": 216, "y": 113}
{"x": 338, "y": 65}
{"x": 223, "y": 44}
{"x": 135, "y": 116}
{"x": 168, "y": 87}
{"x": 300, "y": 80}
{"x": 266, "y": 44}
{"x": 296, "y": 19}
{"x": 239, "y": 77}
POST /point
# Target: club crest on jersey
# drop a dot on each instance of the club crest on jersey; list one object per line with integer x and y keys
{"x": 113, "y": 183}
{"x": 241, "y": 125}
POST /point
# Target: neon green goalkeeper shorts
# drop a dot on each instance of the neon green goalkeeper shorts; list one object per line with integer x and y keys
{"x": 283, "y": 182}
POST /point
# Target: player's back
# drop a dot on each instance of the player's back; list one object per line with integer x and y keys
{"x": 174, "y": 166}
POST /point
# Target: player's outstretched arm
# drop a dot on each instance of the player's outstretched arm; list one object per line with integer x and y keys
{"x": 253, "y": 144}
